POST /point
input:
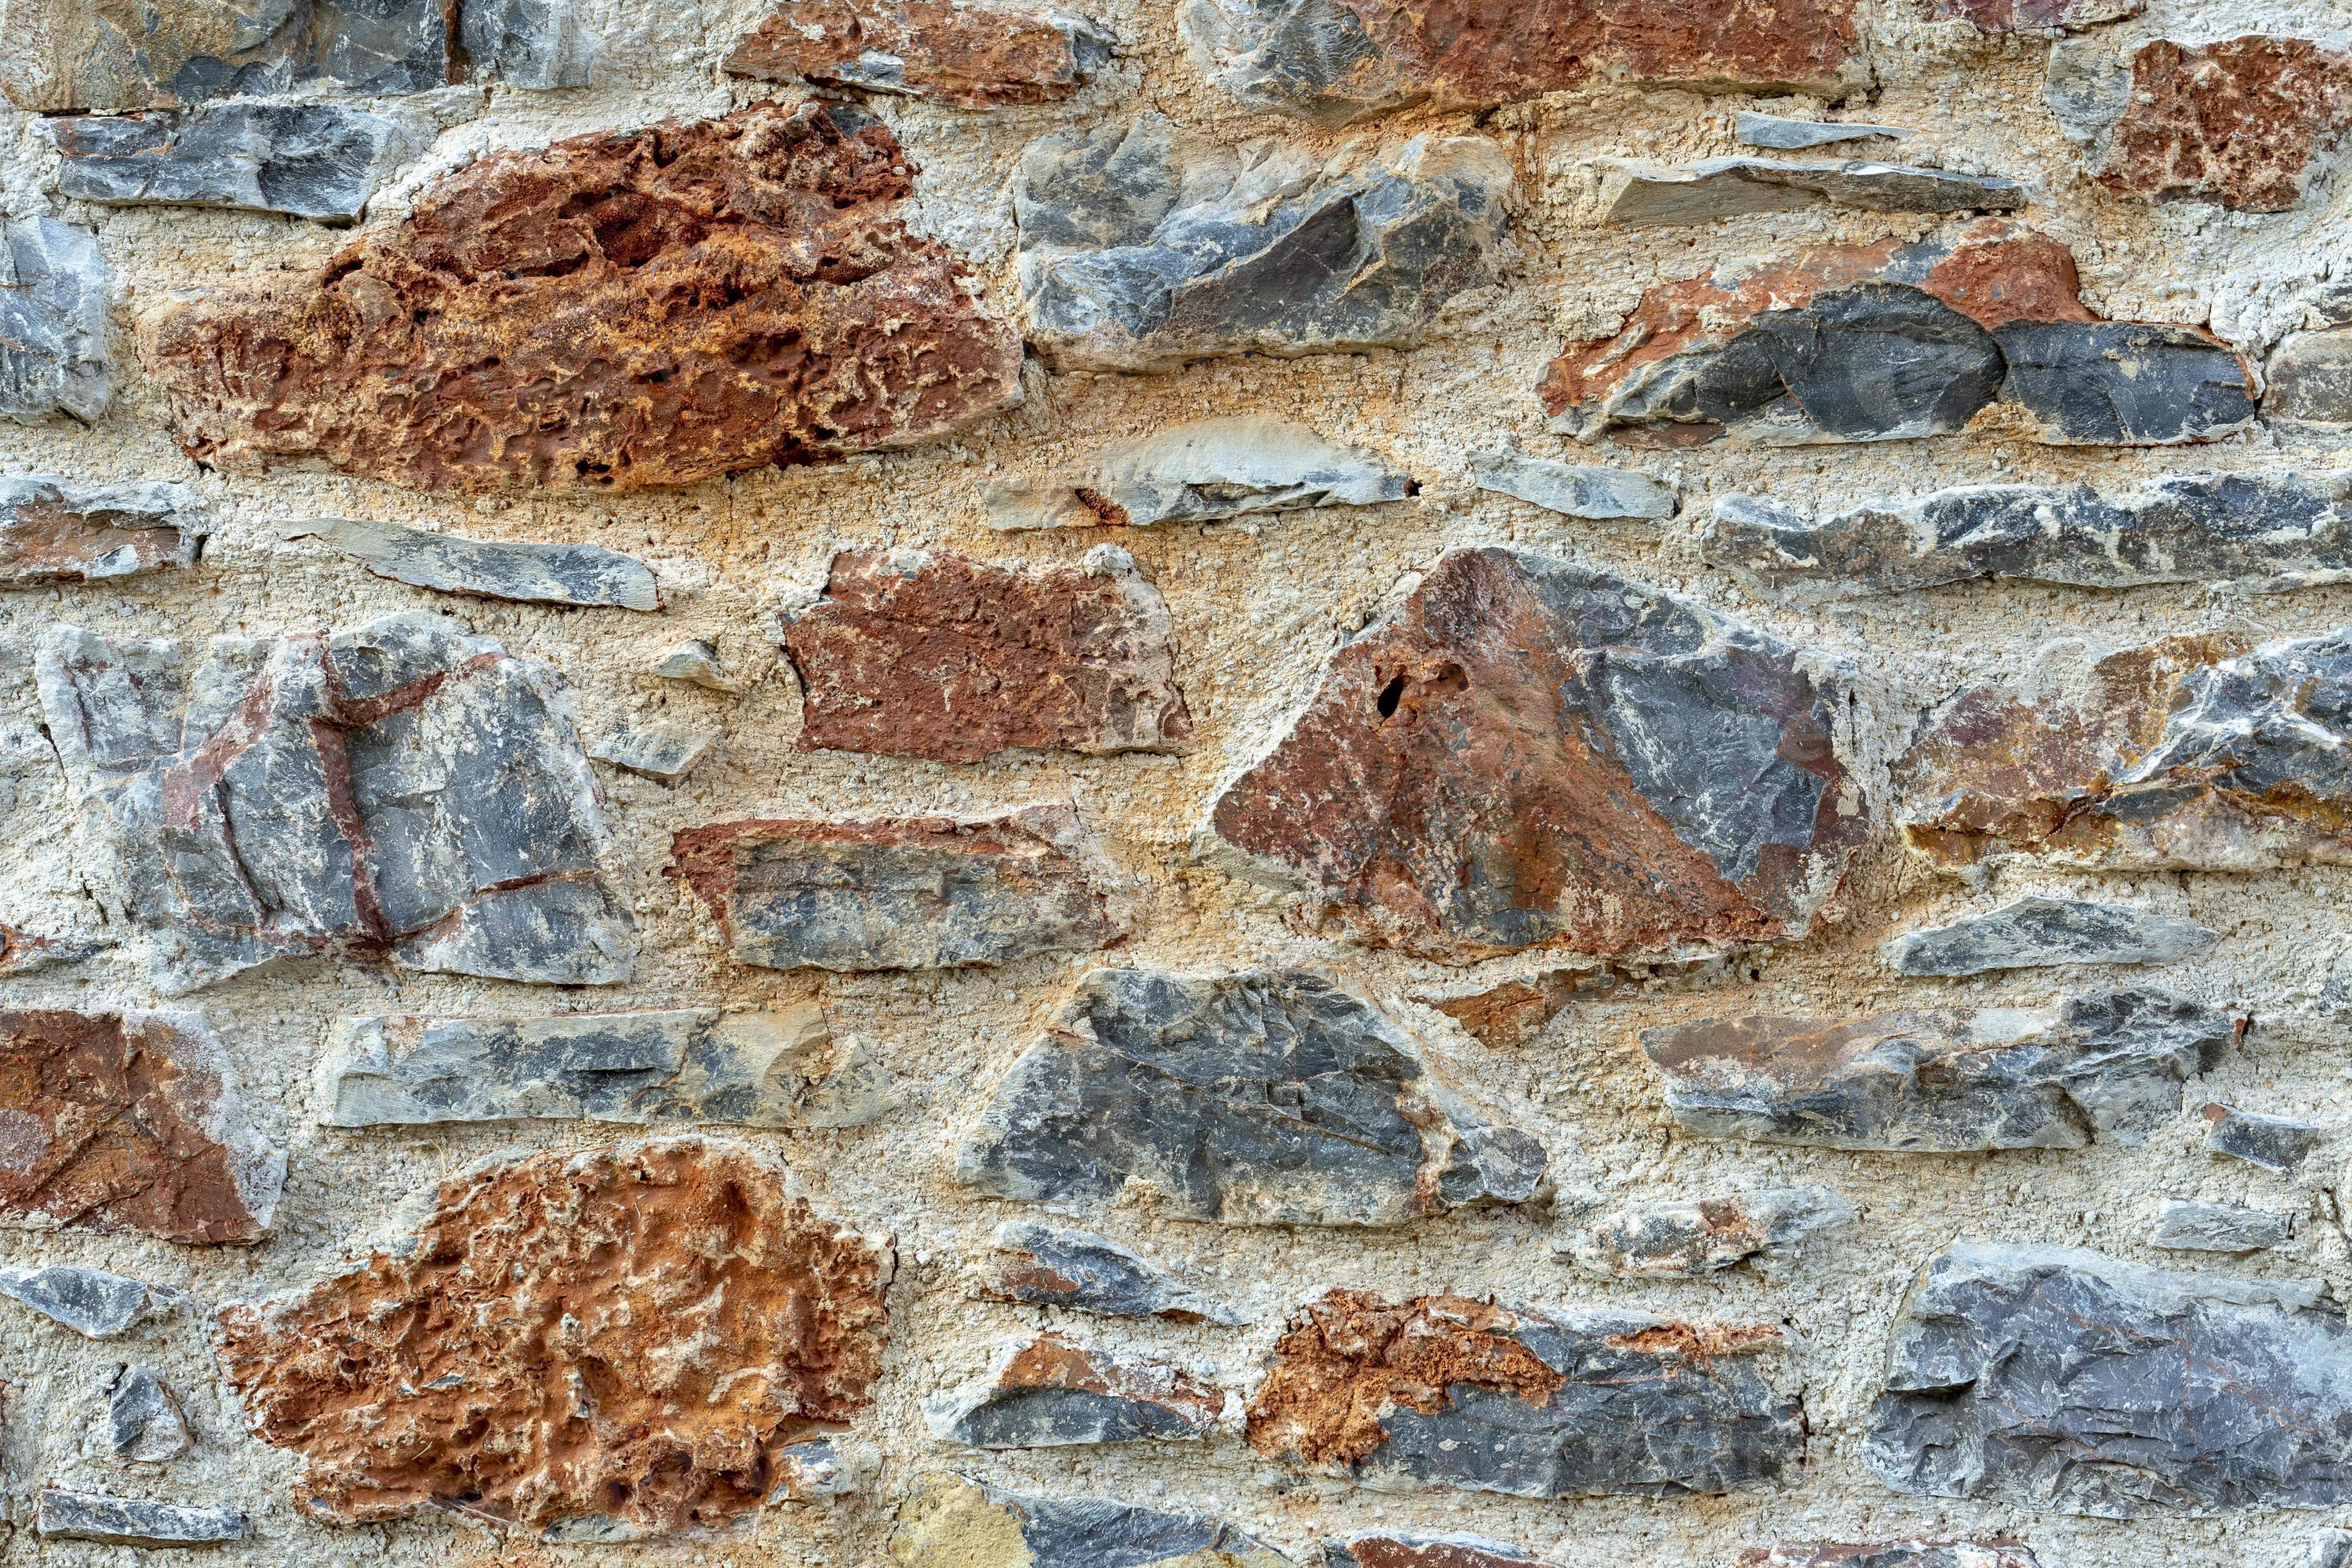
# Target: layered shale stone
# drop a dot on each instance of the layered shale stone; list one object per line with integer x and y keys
{"x": 1529, "y": 752}
{"x": 1266, "y": 1098}
{"x": 1056, "y": 1393}
{"x": 1060, "y": 1266}
{"x": 1384, "y": 1551}
{"x": 2184, "y": 1226}
{"x": 1504, "y": 1015}
{"x": 1332, "y": 61}
{"x": 952, "y": 1520}
{"x": 127, "y": 1122}
{"x": 2309, "y": 378}
{"x": 575, "y": 1306}
{"x": 1889, "y": 1555}
{"x": 919, "y": 892}
{"x": 401, "y": 789}
{"x": 658, "y": 307}
{"x": 1134, "y": 259}
{"x": 2049, "y": 1377}
{"x": 1203, "y": 471}
{"x": 975, "y": 57}
{"x": 1647, "y": 196}
{"x": 1680, "y": 1240}
{"x": 1573, "y": 489}
{"x": 2107, "y": 1066}
{"x": 529, "y": 43}
{"x": 55, "y": 530}
{"x": 56, "y": 335}
{"x": 2037, "y": 933}
{"x": 781, "y": 1068}
{"x": 322, "y": 161}
{"x": 91, "y": 1302}
{"x": 488, "y": 568}
{"x": 1448, "y": 1391}
{"x": 144, "y": 1420}
{"x": 107, "y": 56}
{"x": 62, "y": 1515}
{"x": 1784, "y": 134}
{"x": 917, "y": 654}
{"x": 2278, "y": 1143}
{"x": 663, "y": 749}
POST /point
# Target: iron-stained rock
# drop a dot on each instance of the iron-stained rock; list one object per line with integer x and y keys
{"x": 1509, "y": 1013}
{"x": 664, "y": 750}
{"x": 1385, "y": 1550}
{"x": 1889, "y": 1555}
{"x": 1059, "y": 1266}
{"x": 62, "y": 1515}
{"x": 2036, "y": 932}
{"x": 1448, "y": 1391}
{"x": 54, "y": 531}
{"x": 2048, "y": 1377}
{"x": 488, "y": 568}
{"x": 1680, "y": 1240}
{"x": 1229, "y": 466}
{"x": 1529, "y": 752}
{"x": 1266, "y": 1097}
{"x": 1649, "y": 195}
{"x": 1573, "y": 489}
{"x": 1131, "y": 260}
{"x": 91, "y": 1302}
{"x": 1787, "y": 135}
{"x": 949, "y": 1518}
{"x": 1055, "y": 1393}
{"x": 2185, "y": 1225}
{"x": 2309, "y": 378}
{"x": 144, "y": 1420}
{"x": 26, "y": 953}
{"x": 322, "y": 161}
{"x": 401, "y": 788}
{"x": 56, "y": 335}
{"x": 529, "y": 43}
{"x": 108, "y": 55}
{"x": 1952, "y": 1080}
{"x": 975, "y": 57}
{"x": 2278, "y": 1143}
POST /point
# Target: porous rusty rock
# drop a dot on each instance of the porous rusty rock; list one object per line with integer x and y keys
{"x": 971, "y": 56}
{"x": 1532, "y": 753}
{"x": 1385, "y": 1550}
{"x": 917, "y": 653}
{"x": 654, "y": 307}
{"x": 128, "y": 1121}
{"x": 606, "y": 1344}
{"x": 1889, "y": 1555}
{"x": 1056, "y": 1392}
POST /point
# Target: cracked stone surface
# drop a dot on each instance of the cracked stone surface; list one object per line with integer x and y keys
{"x": 2108, "y": 1066}
{"x": 2038, "y": 932}
{"x": 2309, "y": 378}
{"x": 974, "y": 57}
{"x": 2277, "y": 1143}
{"x": 144, "y": 1420}
{"x": 318, "y": 161}
{"x": 109, "y": 56}
{"x": 55, "y": 334}
{"x": 663, "y": 749}
{"x": 1685, "y": 1240}
{"x": 1384, "y": 1551}
{"x": 91, "y": 1302}
{"x": 1529, "y": 752}
{"x": 401, "y": 789}
{"x": 618, "y": 311}
{"x": 949, "y": 1518}
{"x": 1784, "y": 134}
{"x": 2051, "y": 1377}
{"x": 1263, "y": 1098}
{"x": 1061, "y": 1266}
{"x": 1636, "y": 194}
{"x": 529, "y": 43}
{"x": 488, "y": 568}
{"x": 571, "y": 1306}
{"x": 1574, "y": 489}
{"x": 55, "y": 530}
{"x": 1890, "y": 1554}
{"x": 1201, "y": 471}
{"x": 62, "y": 1515}
{"x": 2186, "y": 1226}
{"x": 1056, "y": 1393}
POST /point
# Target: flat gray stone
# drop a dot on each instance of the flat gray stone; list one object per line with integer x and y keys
{"x": 130, "y": 1521}
{"x": 144, "y": 1423}
{"x": 529, "y": 43}
{"x": 661, "y": 749}
{"x": 2278, "y": 1143}
{"x": 2124, "y": 383}
{"x": 951, "y": 1518}
{"x": 54, "y": 531}
{"x": 1683, "y": 1239}
{"x": 1060, "y": 1266}
{"x": 774, "y": 1069}
{"x": 1056, "y": 1393}
{"x": 321, "y": 161}
{"x": 2309, "y": 379}
{"x": 91, "y": 1302}
{"x": 2038, "y": 932}
{"x": 2186, "y": 1226}
{"x": 697, "y": 662}
{"x": 1573, "y": 489}
{"x": 54, "y": 331}
{"x": 2049, "y": 1377}
{"x": 1264, "y": 1098}
{"x": 1651, "y": 196}
{"x": 1795, "y": 135}
{"x": 1230, "y": 466}
{"x": 489, "y": 569}
{"x": 1889, "y": 1555}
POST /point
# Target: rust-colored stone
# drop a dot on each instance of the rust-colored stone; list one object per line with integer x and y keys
{"x": 2241, "y": 122}
{"x": 1508, "y": 1013}
{"x": 622, "y": 1343}
{"x": 656, "y": 307}
{"x": 971, "y": 56}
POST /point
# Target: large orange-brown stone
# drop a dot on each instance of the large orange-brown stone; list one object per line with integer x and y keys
{"x": 971, "y": 56}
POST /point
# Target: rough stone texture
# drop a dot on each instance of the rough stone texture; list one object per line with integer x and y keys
{"x": 400, "y": 789}
{"x": 55, "y": 530}
{"x": 488, "y": 568}
{"x": 1264, "y": 1098}
{"x": 1787, "y": 135}
{"x": 975, "y": 57}
{"x": 2051, "y": 1377}
{"x": 1425, "y": 1552}
{"x": 56, "y": 335}
{"x": 2308, "y": 380}
{"x": 612, "y": 1344}
{"x": 62, "y": 1515}
{"x": 1888, "y": 342}
{"x": 662, "y": 750}
{"x": 1530, "y": 754}
{"x": 1208, "y": 470}
{"x": 1059, "y": 1266}
{"x": 950, "y": 1520}
{"x": 2106, "y": 1066}
{"x": 781, "y": 1068}
{"x": 1332, "y": 61}
{"x": 107, "y": 56}
{"x": 1134, "y": 259}
{"x": 2331, "y": 1549}
{"x": 922, "y": 892}
{"x": 322, "y": 161}
{"x": 144, "y": 1420}
{"x": 1506, "y": 1015}
{"x": 1055, "y": 1393}
{"x": 656, "y": 308}
{"x": 2184, "y": 1226}
{"x": 129, "y": 1121}
{"x": 1890, "y": 1554}
{"x": 2040, "y": 18}
{"x": 696, "y": 661}
{"x": 23, "y": 952}
{"x": 913, "y": 654}
{"x": 1445, "y": 1391}
{"x": 2279, "y": 1143}
{"x": 2037, "y": 933}
{"x": 1682, "y": 1240}
{"x": 1637, "y": 194}
{"x": 1574, "y": 489}
{"x": 529, "y": 43}
{"x": 91, "y": 1302}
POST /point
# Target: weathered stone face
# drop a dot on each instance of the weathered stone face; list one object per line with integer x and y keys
{"x": 663, "y": 749}
{"x": 62, "y": 1515}
{"x": 607, "y": 1344}
{"x": 1058, "y": 1266}
{"x": 2038, "y": 932}
{"x": 144, "y": 1421}
{"x": 2309, "y": 378}
{"x": 1531, "y": 753}
{"x": 1444, "y": 1391}
{"x": 1574, "y": 489}
{"x": 2183, "y": 1225}
{"x": 322, "y": 161}
{"x": 1787, "y": 135}
{"x": 2041, "y": 18}
{"x": 1423, "y": 1552}
{"x": 1682, "y": 1240}
{"x": 949, "y": 1519}
{"x": 924, "y": 892}
{"x": 2278, "y": 1143}
{"x": 1271, "y": 1098}
{"x": 91, "y": 1302}
{"x": 2106, "y": 1066}
{"x": 56, "y": 336}
{"x": 106, "y": 56}
{"x": 920, "y": 654}
{"x": 27, "y": 953}
{"x": 1056, "y": 1393}
{"x": 54, "y": 531}
{"x": 401, "y": 789}
{"x": 1202, "y": 471}
{"x": 975, "y": 57}
{"x": 529, "y": 43}
{"x": 2049, "y": 1377}
{"x": 1890, "y": 1554}
{"x": 129, "y": 1122}
{"x": 614, "y": 311}
{"x": 1648, "y": 196}
{"x": 486, "y": 568}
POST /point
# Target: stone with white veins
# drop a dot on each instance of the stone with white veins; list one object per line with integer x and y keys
{"x": 2275, "y": 1143}
{"x": 55, "y": 329}
{"x": 1573, "y": 489}
{"x": 1636, "y": 195}
{"x": 2184, "y": 1224}
{"x": 1684, "y": 1239}
{"x": 1061, "y": 1266}
{"x": 63, "y": 1515}
{"x": 55, "y": 530}
{"x": 91, "y": 1302}
{"x": 1787, "y": 135}
{"x": 1209, "y": 470}
{"x": 144, "y": 1422}
{"x": 661, "y": 749}
{"x": 529, "y": 43}
{"x": 489, "y": 569}
{"x": 2038, "y": 932}
{"x": 319, "y": 160}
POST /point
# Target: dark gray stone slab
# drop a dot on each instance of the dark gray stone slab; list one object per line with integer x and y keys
{"x": 1573, "y": 489}
{"x": 1795, "y": 135}
{"x": 1266, "y": 1097}
{"x": 1650, "y": 196}
{"x": 949, "y": 1518}
{"x": 1058, "y": 1266}
{"x": 55, "y": 331}
{"x": 90, "y": 1301}
{"x": 489, "y": 569}
{"x": 54, "y": 531}
{"x": 664, "y": 750}
{"x": 1229, "y": 466}
{"x": 2309, "y": 379}
{"x": 2099, "y": 384}
{"x": 2184, "y": 1226}
{"x": 2278, "y": 1143}
{"x": 529, "y": 43}
{"x": 64, "y": 1515}
{"x": 322, "y": 161}
{"x": 2048, "y": 1377}
{"x": 1056, "y": 1393}
{"x": 1681, "y": 1239}
{"x": 2038, "y": 932}
{"x": 144, "y": 1420}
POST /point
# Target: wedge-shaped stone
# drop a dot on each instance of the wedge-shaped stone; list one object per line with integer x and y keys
{"x": 1529, "y": 752}
{"x": 107, "y": 56}
{"x": 913, "y": 654}
{"x": 573, "y": 1304}
{"x": 2278, "y": 1143}
{"x": 1787, "y": 135}
{"x": 1385, "y": 1550}
{"x": 489, "y": 568}
{"x": 1650, "y": 196}
{"x": 56, "y": 332}
{"x": 910, "y": 892}
{"x": 1269, "y": 1098}
{"x": 91, "y": 1302}
{"x": 401, "y": 789}
{"x": 1134, "y": 258}
{"x": 663, "y": 749}
{"x": 2186, "y": 1226}
{"x": 62, "y": 1515}
{"x": 2037, "y": 933}
{"x": 54, "y": 531}
{"x": 1058, "y": 1266}
{"x": 949, "y": 1519}
{"x": 144, "y": 1423}
{"x": 1447, "y": 1392}
{"x": 1055, "y": 1393}
{"x": 1682, "y": 1240}
{"x": 1230, "y": 466}
{"x": 975, "y": 57}
{"x": 2048, "y": 1377}
{"x": 618, "y": 311}
{"x": 1574, "y": 489}
{"x": 322, "y": 161}
{"x": 1951, "y": 1080}
{"x": 127, "y": 1122}
{"x": 1889, "y": 1555}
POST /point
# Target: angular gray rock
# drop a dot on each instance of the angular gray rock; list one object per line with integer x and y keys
{"x": 2331, "y": 1549}
{"x": 114, "y": 56}
{"x": 529, "y": 43}
{"x": 1636, "y": 194}
{"x": 1680, "y": 1240}
{"x": 2309, "y": 379}
{"x": 2108, "y": 383}
{"x": 664, "y": 750}
{"x": 2109, "y": 1065}
{"x": 1264, "y": 1098}
{"x": 810, "y": 1470}
{"x": 489, "y": 569}
{"x": 2037, "y": 933}
{"x": 63, "y": 1515}
{"x": 2278, "y": 1143}
{"x": 1129, "y": 262}
{"x": 1787, "y": 135}
{"x": 56, "y": 335}
{"x": 1059, "y": 1266}
{"x": 951, "y": 1519}
{"x": 1229, "y": 466}
{"x": 2186, "y": 1226}
{"x": 1053, "y": 1392}
{"x": 696, "y": 661}
{"x": 91, "y": 1302}
{"x": 54, "y": 531}
{"x": 144, "y": 1423}
{"x": 320, "y": 161}
{"x": 1573, "y": 489}
{"x": 2050, "y": 1377}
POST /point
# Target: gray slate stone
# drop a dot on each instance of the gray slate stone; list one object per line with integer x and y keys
{"x": 1795, "y": 135}
{"x": 2049, "y": 1377}
{"x": 131, "y": 1521}
{"x": 91, "y": 1302}
{"x": 1231, "y": 466}
{"x": 2105, "y": 384}
{"x": 2309, "y": 379}
{"x": 774, "y": 1069}
{"x": 696, "y": 661}
{"x": 1573, "y": 489}
{"x": 144, "y": 1423}
{"x": 23, "y": 952}
{"x": 951, "y": 1518}
{"x": 54, "y": 531}
{"x": 322, "y": 161}
{"x": 529, "y": 43}
{"x": 2038, "y": 932}
{"x": 1685, "y": 1240}
{"x": 2278, "y": 1143}
{"x": 661, "y": 749}
{"x": 1266, "y": 1098}
{"x": 489, "y": 569}
{"x": 1056, "y": 1393}
{"x": 1650, "y": 196}
{"x": 810, "y": 1470}
{"x": 1059, "y": 1266}
{"x": 55, "y": 329}
{"x": 2184, "y": 1226}
{"x": 2331, "y": 1549}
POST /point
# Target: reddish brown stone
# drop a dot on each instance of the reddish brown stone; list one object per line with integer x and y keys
{"x": 128, "y": 1121}
{"x": 1507, "y": 1015}
{"x": 630, "y": 1339}
{"x": 2241, "y": 122}
{"x": 1423, "y": 1552}
{"x": 973, "y": 55}
{"x": 920, "y": 655}
{"x": 650, "y": 308}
